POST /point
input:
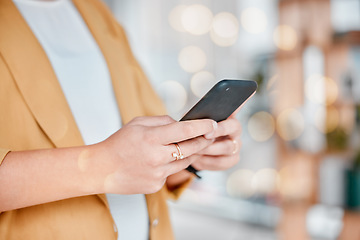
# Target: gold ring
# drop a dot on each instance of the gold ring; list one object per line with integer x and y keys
{"x": 179, "y": 154}
{"x": 236, "y": 147}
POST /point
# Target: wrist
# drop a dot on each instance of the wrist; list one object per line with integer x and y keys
{"x": 93, "y": 169}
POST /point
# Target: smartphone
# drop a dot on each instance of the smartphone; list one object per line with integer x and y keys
{"x": 222, "y": 100}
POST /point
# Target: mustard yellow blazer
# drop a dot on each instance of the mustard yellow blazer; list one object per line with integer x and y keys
{"x": 34, "y": 114}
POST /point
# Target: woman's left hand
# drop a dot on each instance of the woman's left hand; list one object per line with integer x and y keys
{"x": 224, "y": 152}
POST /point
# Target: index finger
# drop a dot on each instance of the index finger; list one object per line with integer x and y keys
{"x": 184, "y": 130}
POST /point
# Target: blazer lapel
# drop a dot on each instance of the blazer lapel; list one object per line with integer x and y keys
{"x": 106, "y": 33}
{"x": 35, "y": 78}
{"x": 98, "y": 18}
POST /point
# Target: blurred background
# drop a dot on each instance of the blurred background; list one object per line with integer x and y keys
{"x": 299, "y": 174}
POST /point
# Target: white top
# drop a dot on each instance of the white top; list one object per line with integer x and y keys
{"x": 85, "y": 80}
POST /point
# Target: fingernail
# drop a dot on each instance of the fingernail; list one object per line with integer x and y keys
{"x": 211, "y": 134}
{"x": 215, "y": 125}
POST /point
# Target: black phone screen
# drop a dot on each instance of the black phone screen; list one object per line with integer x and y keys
{"x": 222, "y": 100}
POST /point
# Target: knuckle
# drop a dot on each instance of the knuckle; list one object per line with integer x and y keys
{"x": 148, "y": 136}
{"x": 168, "y": 119}
{"x": 134, "y": 130}
{"x": 137, "y": 119}
{"x": 153, "y": 161}
{"x": 150, "y": 157}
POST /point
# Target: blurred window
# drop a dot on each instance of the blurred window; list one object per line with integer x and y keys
{"x": 312, "y": 139}
{"x": 345, "y": 15}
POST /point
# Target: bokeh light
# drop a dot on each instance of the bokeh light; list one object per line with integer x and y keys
{"x": 321, "y": 90}
{"x": 225, "y": 29}
{"x": 196, "y": 19}
{"x": 327, "y": 120}
{"x": 285, "y": 37}
{"x": 295, "y": 179}
{"x": 225, "y": 25}
{"x": 331, "y": 91}
{"x": 261, "y": 126}
{"x": 254, "y": 20}
{"x": 290, "y": 124}
{"x": 222, "y": 42}
{"x": 239, "y": 183}
{"x": 173, "y": 94}
{"x": 201, "y": 82}
{"x": 175, "y": 18}
{"x": 315, "y": 89}
{"x": 265, "y": 181}
{"x": 192, "y": 59}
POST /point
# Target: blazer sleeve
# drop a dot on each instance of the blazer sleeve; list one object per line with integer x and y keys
{"x": 3, "y": 153}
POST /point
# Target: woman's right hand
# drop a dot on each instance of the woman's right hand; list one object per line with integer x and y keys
{"x": 138, "y": 158}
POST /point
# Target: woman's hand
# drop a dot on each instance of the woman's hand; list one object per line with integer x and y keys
{"x": 138, "y": 158}
{"x": 223, "y": 153}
